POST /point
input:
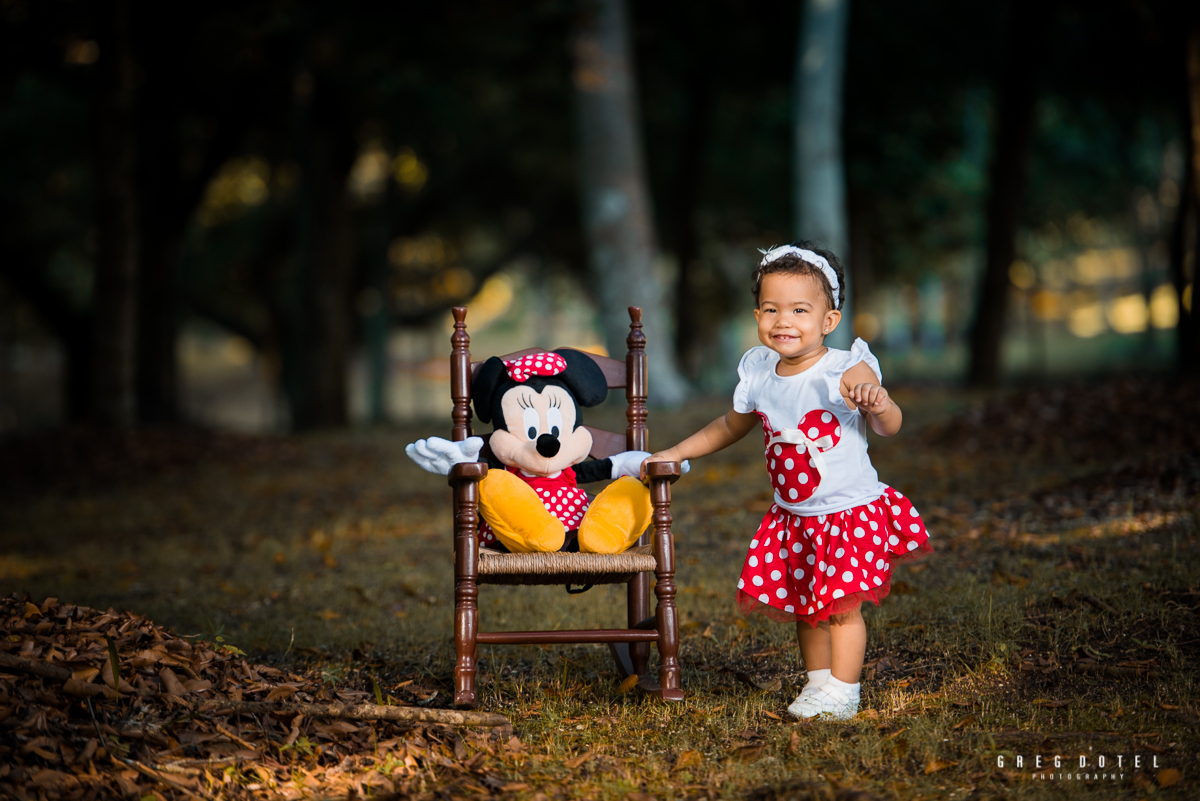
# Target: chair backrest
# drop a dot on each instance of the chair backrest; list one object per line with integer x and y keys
{"x": 630, "y": 375}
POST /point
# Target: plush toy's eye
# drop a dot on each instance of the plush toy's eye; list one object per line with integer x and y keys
{"x": 531, "y": 423}
{"x": 554, "y": 420}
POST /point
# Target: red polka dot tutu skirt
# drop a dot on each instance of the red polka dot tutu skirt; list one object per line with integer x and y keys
{"x": 808, "y": 568}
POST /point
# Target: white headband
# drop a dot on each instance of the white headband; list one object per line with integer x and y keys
{"x": 808, "y": 256}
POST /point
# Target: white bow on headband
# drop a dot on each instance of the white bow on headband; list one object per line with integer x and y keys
{"x": 808, "y": 256}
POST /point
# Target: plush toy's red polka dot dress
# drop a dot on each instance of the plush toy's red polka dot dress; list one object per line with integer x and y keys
{"x": 561, "y": 496}
{"x": 830, "y": 539}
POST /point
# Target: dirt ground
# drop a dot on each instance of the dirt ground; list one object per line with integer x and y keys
{"x": 1058, "y": 615}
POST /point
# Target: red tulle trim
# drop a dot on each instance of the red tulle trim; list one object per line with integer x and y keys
{"x": 924, "y": 547}
{"x": 748, "y": 604}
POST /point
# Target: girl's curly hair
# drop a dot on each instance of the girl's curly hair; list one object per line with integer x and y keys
{"x": 791, "y": 264}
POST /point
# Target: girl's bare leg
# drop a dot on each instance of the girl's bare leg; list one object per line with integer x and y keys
{"x": 839, "y": 643}
{"x": 815, "y": 645}
{"x": 848, "y": 642}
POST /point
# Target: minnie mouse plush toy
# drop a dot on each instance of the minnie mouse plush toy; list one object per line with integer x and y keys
{"x": 531, "y": 504}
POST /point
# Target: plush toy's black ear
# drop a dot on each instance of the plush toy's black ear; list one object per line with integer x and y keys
{"x": 583, "y": 377}
{"x": 491, "y": 375}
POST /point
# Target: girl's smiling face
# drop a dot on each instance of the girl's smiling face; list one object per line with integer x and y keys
{"x": 794, "y": 318}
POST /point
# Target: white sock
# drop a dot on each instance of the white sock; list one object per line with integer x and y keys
{"x": 818, "y": 677}
{"x": 834, "y": 683}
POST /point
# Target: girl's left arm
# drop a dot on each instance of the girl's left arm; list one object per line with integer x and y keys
{"x": 862, "y": 390}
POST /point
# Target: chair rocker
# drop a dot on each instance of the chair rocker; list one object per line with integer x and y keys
{"x": 475, "y": 565}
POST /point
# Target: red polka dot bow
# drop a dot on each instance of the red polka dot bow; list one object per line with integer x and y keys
{"x": 522, "y": 368}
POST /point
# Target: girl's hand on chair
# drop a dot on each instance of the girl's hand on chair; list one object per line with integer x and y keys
{"x": 668, "y": 455}
{"x": 870, "y": 398}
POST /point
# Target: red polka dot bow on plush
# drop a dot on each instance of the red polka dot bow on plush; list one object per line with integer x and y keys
{"x": 535, "y": 364}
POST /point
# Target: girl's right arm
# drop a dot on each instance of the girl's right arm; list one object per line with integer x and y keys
{"x": 720, "y": 433}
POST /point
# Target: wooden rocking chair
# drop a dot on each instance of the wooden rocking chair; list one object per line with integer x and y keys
{"x": 474, "y": 565}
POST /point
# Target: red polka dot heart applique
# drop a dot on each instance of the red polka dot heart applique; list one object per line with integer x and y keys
{"x": 794, "y": 455}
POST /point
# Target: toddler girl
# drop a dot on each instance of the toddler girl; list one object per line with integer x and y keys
{"x": 833, "y": 532}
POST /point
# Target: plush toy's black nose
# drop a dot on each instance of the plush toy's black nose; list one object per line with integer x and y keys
{"x": 547, "y": 445}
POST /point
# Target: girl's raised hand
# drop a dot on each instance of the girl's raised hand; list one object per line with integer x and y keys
{"x": 870, "y": 398}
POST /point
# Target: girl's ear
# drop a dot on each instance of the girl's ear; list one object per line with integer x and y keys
{"x": 483, "y": 389}
{"x": 583, "y": 377}
{"x": 832, "y": 318}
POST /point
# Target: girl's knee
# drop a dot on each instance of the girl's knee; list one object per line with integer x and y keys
{"x": 849, "y": 617}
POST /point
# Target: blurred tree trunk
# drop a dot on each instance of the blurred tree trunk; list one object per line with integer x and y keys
{"x": 616, "y": 201}
{"x": 115, "y": 298}
{"x": 695, "y": 337}
{"x": 315, "y": 324}
{"x": 1008, "y": 176}
{"x": 375, "y": 311}
{"x": 168, "y": 195}
{"x": 162, "y": 220}
{"x": 1184, "y": 245}
{"x": 819, "y": 172}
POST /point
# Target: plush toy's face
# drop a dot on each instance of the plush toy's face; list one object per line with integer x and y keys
{"x": 539, "y": 433}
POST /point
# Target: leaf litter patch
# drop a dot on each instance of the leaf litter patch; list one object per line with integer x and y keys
{"x": 160, "y": 724}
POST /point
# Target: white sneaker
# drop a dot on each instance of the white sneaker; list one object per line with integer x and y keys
{"x": 835, "y": 699}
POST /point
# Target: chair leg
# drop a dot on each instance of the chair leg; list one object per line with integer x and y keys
{"x": 639, "y": 610}
{"x": 466, "y": 584}
{"x": 466, "y": 626}
{"x": 664, "y": 590}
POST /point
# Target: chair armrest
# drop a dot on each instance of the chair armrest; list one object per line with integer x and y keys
{"x": 467, "y": 471}
{"x": 663, "y": 470}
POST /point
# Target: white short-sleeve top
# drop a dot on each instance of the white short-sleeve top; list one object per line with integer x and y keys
{"x": 808, "y": 409}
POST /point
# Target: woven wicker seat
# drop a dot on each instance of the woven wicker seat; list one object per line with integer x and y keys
{"x": 496, "y": 567}
{"x": 653, "y": 553}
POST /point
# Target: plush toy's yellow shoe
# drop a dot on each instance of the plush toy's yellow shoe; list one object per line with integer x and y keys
{"x": 616, "y": 518}
{"x": 517, "y": 516}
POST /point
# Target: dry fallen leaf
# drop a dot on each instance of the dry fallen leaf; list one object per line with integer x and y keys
{"x": 1047, "y": 703}
{"x": 171, "y": 683}
{"x": 750, "y": 752}
{"x": 688, "y": 759}
{"x": 934, "y": 765}
{"x": 772, "y": 686}
{"x": 281, "y": 692}
{"x": 1168, "y": 777}
{"x": 575, "y": 762}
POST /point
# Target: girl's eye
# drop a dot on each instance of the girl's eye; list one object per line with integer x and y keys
{"x": 531, "y": 421}
{"x": 554, "y": 420}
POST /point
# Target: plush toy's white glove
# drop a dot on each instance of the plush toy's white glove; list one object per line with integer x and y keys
{"x": 438, "y": 455}
{"x": 628, "y": 463}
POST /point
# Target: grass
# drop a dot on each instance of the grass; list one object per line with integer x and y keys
{"x": 336, "y": 551}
